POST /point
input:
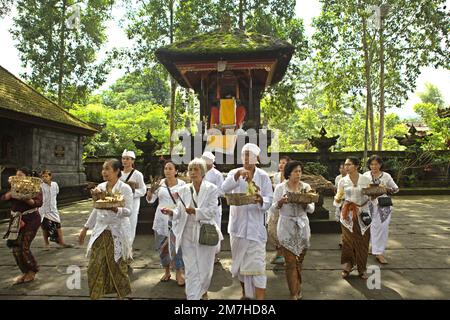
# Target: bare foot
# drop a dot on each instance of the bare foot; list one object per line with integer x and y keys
{"x": 19, "y": 279}
{"x": 165, "y": 277}
{"x": 180, "y": 277}
{"x": 205, "y": 296}
{"x": 30, "y": 276}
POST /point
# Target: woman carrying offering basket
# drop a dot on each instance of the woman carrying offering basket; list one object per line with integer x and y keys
{"x": 292, "y": 198}
{"x": 196, "y": 230}
{"x": 109, "y": 246}
{"x": 380, "y": 206}
{"x": 26, "y": 197}
{"x": 355, "y": 219}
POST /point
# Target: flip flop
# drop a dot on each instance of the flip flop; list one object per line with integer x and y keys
{"x": 381, "y": 260}
{"x": 345, "y": 273}
{"x": 364, "y": 276}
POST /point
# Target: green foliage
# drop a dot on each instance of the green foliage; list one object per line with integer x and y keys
{"x": 315, "y": 168}
{"x": 122, "y": 126}
{"x": 432, "y": 95}
{"x": 58, "y": 59}
{"x": 141, "y": 85}
{"x": 440, "y": 127}
{"x": 306, "y": 122}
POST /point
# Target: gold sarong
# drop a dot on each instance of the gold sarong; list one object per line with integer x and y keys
{"x": 105, "y": 275}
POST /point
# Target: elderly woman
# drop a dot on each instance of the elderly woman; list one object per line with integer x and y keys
{"x": 23, "y": 226}
{"x": 162, "y": 224}
{"x": 293, "y": 225}
{"x": 109, "y": 246}
{"x": 381, "y": 214}
{"x": 355, "y": 219}
{"x": 197, "y": 206}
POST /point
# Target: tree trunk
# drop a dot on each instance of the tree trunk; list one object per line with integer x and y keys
{"x": 382, "y": 111}
{"x": 369, "y": 101}
{"x": 172, "y": 81}
{"x": 241, "y": 14}
{"x": 62, "y": 36}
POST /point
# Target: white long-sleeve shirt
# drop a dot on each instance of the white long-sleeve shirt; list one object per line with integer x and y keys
{"x": 248, "y": 221}
{"x": 161, "y": 221}
{"x": 137, "y": 178}
{"x": 118, "y": 223}
{"x": 49, "y": 207}
{"x": 188, "y": 225}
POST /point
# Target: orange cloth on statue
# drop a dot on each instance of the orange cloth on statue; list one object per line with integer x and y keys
{"x": 240, "y": 115}
{"x": 214, "y": 116}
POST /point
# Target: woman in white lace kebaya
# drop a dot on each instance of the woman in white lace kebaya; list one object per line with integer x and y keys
{"x": 293, "y": 225}
{"x": 355, "y": 219}
{"x": 109, "y": 246}
{"x": 381, "y": 215}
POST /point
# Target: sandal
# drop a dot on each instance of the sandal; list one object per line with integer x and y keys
{"x": 381, "y": 259}
{"x": 345, "y": 273}
{"x": 364, "y": 276}
{"x": 165, "y": 277}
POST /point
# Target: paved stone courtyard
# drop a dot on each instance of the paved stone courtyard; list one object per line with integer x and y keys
{"x": 418, "y": 254}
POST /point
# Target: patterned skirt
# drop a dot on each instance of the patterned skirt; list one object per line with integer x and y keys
{"x": 105, "y": 275}
{"x": 52, "y": 228}
{"x": 355, "y": 247}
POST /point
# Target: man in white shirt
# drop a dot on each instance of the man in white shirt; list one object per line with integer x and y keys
{"x": 246, "y": 224}
{"x": 135, "y": 179}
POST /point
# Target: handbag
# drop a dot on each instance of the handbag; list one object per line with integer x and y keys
{"x": 366, "y": 219}
{"x": 385, "y": 201}
{"x": 208, "y": 233}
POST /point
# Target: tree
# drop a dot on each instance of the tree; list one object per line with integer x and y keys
{"x": 61, "y": 59}
{"x": 432, "y": 99}
{"x": 432, "y": 95}
{"x": 122, "y": 126}
{"x": 5, "y": 7}
{"x": 411, "y": 34}
{"x": 147, "y": 85}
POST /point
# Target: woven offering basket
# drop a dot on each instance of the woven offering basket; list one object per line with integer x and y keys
{"x": 109, "y": 203}
{"x": 23, "y": 188}
{"x": 239, "y": 199}
{"x": 374, "y": 190}
{"x": 297, "y": 197}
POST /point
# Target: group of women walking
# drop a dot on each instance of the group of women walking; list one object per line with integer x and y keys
{"x": 187, "y": 223}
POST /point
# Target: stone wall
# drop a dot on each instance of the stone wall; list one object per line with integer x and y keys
{"x": 39, "y": 148}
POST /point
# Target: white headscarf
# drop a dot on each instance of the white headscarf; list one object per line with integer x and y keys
{"x": 129, "y": 154}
